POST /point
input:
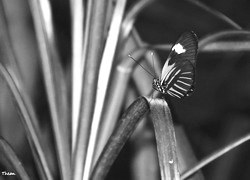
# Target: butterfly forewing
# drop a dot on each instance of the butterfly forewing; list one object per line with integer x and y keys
{"x": 178, "y": 73}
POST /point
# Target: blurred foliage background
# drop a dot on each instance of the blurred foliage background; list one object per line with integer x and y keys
{"x": 218, "y": 111}
{"x": 214, "y": 115}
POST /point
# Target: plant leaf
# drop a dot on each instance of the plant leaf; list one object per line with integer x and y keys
{"x": 165, "y": 139}
{"x": 77, "y": 18}
{"x": 205, "y": 161}
{"x": 120, "y": 135}
{"x": 54, "y": 82}
{"x": 29, "y": 121}
{"x": 7, "y": 152}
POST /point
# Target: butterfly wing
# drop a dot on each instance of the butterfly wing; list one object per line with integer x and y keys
{"x": 178, "y": 73}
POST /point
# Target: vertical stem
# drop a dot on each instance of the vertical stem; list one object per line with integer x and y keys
{"x": 103, "y": 80}
{"x": 54, "y": 81}
{"x": 77, "y": 16}
{"x": 93, "y": 48}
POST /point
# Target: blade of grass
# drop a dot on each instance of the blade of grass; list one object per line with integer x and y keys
{"x": 7, "y": 152}
{"x": 205, "y": 161}
{"x": 234, "y": 46}
{"x": 61, "y": 92}
{"x": 118, "y": 87}
{"x": 29, "y": 121}
{"x": 222, "y": 34}
{"x": 216, "y": 13}
{"x": 77, "y": 18}
{"x": 103, "y": 80}
{"x": 6, "y": 40}
{"x": 117, "y": 92}
{"x": 93, "y": 48}
{"x": 86, "y": 41}
{"x": 82, "y": 133}
{"x": 54, "y": 82}
{"x": 131, "y": 17}
{"x": 124, "y": 129}
{"x": 186, "y": 156}
{"x": 165, "y": 139}
{"x": 144, "y": 157}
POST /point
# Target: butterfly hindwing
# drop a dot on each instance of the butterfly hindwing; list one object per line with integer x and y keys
{"x": 181, "y": 81}
{"x": 178, "y": 73}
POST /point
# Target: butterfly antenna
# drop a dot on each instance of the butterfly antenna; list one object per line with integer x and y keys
{"x": 140, "y": 65}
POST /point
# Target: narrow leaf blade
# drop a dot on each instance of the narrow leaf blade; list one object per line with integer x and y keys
{"x": 165, "y": 139}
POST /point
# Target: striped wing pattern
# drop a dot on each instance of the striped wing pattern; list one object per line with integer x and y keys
{"x": 181, "y": 81}
{"x": 178, "y": 73}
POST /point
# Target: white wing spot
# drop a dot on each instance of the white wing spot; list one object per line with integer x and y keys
{"x": 179, "y": 48}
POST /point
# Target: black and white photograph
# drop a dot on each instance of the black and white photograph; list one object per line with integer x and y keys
{"x": 124, "y": 90}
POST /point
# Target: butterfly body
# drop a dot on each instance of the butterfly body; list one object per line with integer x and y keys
{"x": 178, "y": 73}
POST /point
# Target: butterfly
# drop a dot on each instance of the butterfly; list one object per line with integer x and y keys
{"x": 178, "y": 73}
